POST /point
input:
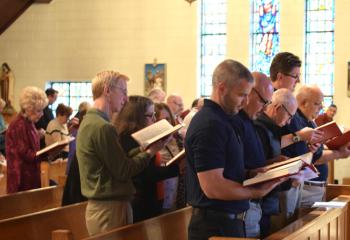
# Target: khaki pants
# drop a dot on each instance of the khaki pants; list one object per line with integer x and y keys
{"x": 101, "y": 216}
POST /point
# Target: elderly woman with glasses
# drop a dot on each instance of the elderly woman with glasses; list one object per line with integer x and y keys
{"x": 139, "y": 113}
{"x": 23, "y": 141}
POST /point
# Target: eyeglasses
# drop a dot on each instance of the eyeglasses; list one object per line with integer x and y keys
{"x": 151, "y": 115}
{"x": 296, "y": 77}
{"x": 178, "y": 104}
{"x": 264, "y": 101}
{"x": 123, "y": 90}
{"x": 285, "y": 109}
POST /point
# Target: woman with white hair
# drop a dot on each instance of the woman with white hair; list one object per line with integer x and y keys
{"x": 23, "y": 141}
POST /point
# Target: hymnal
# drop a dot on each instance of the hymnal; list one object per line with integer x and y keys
{"x": 282, "y": 169}
{"x": 155, "y": 132}
{"x": 330, "y": 130}
{"x": 57, "y": 146}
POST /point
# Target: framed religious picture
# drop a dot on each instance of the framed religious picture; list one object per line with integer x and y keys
{"x": 155, "y": 76}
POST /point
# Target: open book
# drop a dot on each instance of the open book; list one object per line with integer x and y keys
{"x": 155, "y": 132}
{"x": 330, "y": 130}
{"x": 338, "y": 141}
{"x": 178, "y": 156}
{"x": 53, "y": 148}
{"x": 282, "y": 169}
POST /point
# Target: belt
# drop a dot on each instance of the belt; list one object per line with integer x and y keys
{"x": 211, "y": 212}
{"x": 315, "y": 184}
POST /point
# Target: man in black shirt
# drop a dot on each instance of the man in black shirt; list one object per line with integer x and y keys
{"x": 254, "y": 157}
{"x": 214, "y": 164}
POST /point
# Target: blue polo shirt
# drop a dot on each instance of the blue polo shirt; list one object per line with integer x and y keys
{"x": 298, "y": 122}
{"x": 252, "y": 147}
{"x": 211, "y": 143}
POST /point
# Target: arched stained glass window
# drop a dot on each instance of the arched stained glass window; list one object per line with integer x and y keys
{"x": 265, "y": 34}
{"x": 212, "y": 40}
{"x": 319, "y": 46}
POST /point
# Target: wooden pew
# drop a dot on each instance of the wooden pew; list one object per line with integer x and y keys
{"x": 171, "y": 226}
{"x": 52, "y": 170}
{"x": 334, "y": 190}
{"x": 39, "y": 225}
{"x": 30, "y": 201}
{"x": 320, "y": 224}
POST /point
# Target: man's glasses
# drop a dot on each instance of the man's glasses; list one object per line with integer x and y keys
{"x": 296, "y": 76}
{"x": 264, "y": 101}
{"x": 285, "y": 109}
{"x": 123, "y": 90}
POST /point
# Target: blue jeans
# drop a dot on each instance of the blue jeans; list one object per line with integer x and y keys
{"x": 252, "y": 219}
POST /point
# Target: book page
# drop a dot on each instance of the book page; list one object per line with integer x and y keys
{"x": 62, "y": 144}
{"x": 154, "y": 132}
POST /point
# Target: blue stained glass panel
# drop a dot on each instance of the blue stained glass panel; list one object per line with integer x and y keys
{"x": 213, "y": 41}
{"x": 265, "y": 31}
{"x": 71, "y": 94}
{"x": 319, "y": 46}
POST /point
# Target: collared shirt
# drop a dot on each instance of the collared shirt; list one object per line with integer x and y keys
{"x": 253, "y": 149}
{"x": 105, "y": 169}
{"x": 212, "y": 143}
{"x": 270, "y": 136}
{"x": 298, "y": 122}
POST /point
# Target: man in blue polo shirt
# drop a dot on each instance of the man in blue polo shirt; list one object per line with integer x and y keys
{"x": 309, "y": 100}
{"x": 214, "y": 163}
{"x": 254, "y": 158}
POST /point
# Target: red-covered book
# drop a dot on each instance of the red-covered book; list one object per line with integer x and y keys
{"x": 339, "y": 141}
{"x": 330, "y": 130}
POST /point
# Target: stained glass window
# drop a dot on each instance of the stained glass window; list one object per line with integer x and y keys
{"x": 71, "y": 94}
{"x": 213, "y": 41}
{"x": 319, "y": 46}
{"x": 265, "y": 34}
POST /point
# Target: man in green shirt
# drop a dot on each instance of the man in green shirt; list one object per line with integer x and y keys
{"x": 105, "y": 170}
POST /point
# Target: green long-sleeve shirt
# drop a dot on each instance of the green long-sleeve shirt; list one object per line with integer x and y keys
{"x": 105, "y": 170}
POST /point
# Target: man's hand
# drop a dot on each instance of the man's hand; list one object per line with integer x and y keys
{"x": 310, "y": 135}
{"x": 344, "y": 151}
{"x": 41, "y": 133}
{"x": 313, "y": 147}
{"x": 263, "y": 189}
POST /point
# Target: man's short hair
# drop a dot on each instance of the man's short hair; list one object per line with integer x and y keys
{"x": 283, "y": 96}
{"x": 105, "y": 79}
{"x": 51, "y": 92}
{"x": 231, "y": 72}
{"x": 283, "y": 62}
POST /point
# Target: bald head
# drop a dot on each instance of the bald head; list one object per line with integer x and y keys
{"x": 310, "y": 98}
{"x": 260, "y": 96}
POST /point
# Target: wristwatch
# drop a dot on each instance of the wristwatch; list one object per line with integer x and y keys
{"x": 296, "y": 138}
